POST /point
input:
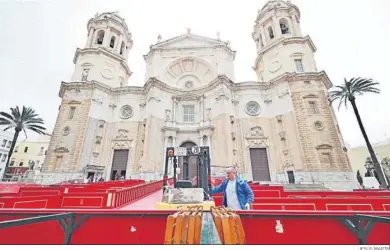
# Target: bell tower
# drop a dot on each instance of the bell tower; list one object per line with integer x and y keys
{"x": 104, "y": 57}
{"x": 281, "y": 47}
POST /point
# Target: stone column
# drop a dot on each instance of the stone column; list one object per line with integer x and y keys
{"x": 290, "y": 26}
{"x": 90, "y": 37}
{"x": 277, "y": 31}
{"x": 94, "y": 37}
{"x": 262, "y": 33}
{"x": 106, "y": 40}
{"x": 201, "y": 141}
{"x": 201, "y": 106}
{"x": 295, "y": 23}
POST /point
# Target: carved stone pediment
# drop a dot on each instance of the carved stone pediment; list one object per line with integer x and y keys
{"x": 288, "y": 166}
{"x": 255, "y": 133}
{"x": 187, "y": 97}
{"x": 74, "y": 102}
{"x": 61, "y": 150}
{"x": 121, "y": 145}
{"x": 308, "y": 96}
{"x": 324, "y": 147}
{"x": 122, "y": 135}
{"x": 221, "y": 94}
{"x": 255, "y": 138}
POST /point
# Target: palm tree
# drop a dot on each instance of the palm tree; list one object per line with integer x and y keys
{"x": 21, "y": 121}
{"x": 348, "y": 92}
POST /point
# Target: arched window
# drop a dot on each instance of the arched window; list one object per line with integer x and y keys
{"x": 100, "y": 37}
{"x": 122, "y": 48}
{"x": 112, "y": 42}
{"x": 271, "y": 33}
{"x": 284, "y": 26}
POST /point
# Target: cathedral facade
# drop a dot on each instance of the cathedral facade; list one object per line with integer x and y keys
{"x": 279, "y": 129}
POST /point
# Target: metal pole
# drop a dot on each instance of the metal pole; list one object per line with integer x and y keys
{"x": 165, "y": 177}
{"x": 204, "y": 172}
{"x": 208, "y": 165}
{"x": 185, "y": 168}
{"x": 174, "y": 171}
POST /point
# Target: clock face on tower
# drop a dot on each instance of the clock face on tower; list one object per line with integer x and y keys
{"x": 275, "y": 66}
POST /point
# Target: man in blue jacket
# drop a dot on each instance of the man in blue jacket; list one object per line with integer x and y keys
{"x": 237, "y": 194}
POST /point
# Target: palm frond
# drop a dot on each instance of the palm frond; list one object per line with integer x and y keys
{"x": 24, "y": 118}
{"x": 351, "y": 88}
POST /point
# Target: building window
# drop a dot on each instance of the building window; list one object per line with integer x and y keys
{"x": 21, "y": 164}
{"x": 84, "y": 75}
{"x": 9, "y": 144}
{"x": 4, "y": 143}
{"x": 313, "y": 107}
{"x": 284, "y": 26}
{"x": 122, "y": 48}
{"x": 291, "y": 177}
{"x": 299, "y": 65}
{"x": 271, "y": 33}
{"x": 252, "y": 108}
{"x": 25, "y": 149}
{"x": 126, "y": 112}
{"x": 16, "y": 149}
{"x": 12, "y": 163}
{"x": 71, "y": 112}
{"x": 189, "y": 113}
{"x": 100, "y": 37}
{"x": 112, "y": 42}
{"x": 3, "y": 158}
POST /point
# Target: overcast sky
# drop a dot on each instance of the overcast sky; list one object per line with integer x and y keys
{"x": 39, "y": 38}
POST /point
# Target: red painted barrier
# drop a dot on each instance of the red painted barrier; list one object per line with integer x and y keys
{"x": 44, "y": 201}
{"x": 79, "y": 196}
{"x": 134, "y": 227}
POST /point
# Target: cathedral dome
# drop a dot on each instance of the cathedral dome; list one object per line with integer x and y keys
{"x": 109, "y": 15}
{"x": 277, "y": 4}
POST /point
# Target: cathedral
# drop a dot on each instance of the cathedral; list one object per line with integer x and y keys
{"x": 278, "y": 129}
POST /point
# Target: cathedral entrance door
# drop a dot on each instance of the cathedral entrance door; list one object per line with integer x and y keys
{"x": 192, "y": 162}
{"x": 119, "y": 164}
{"x": 260, "y": 165}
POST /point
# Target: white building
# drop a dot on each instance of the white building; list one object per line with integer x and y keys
{"x": 276, "y": 129}
{"x": 5, "y": 144}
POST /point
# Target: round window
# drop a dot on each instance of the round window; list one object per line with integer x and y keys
{"x": 252, "y": 108}
{"x": 66, "y": 131}
{"x": 189, "y": 84}
{"x": 318, "y": 125}
{"x": 126, "y": 112}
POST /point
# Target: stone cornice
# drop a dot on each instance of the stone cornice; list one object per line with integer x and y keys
{"x": 100, "y": 50}
{"x": 222, "y": 79}
{"x": 284, "y": 41}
